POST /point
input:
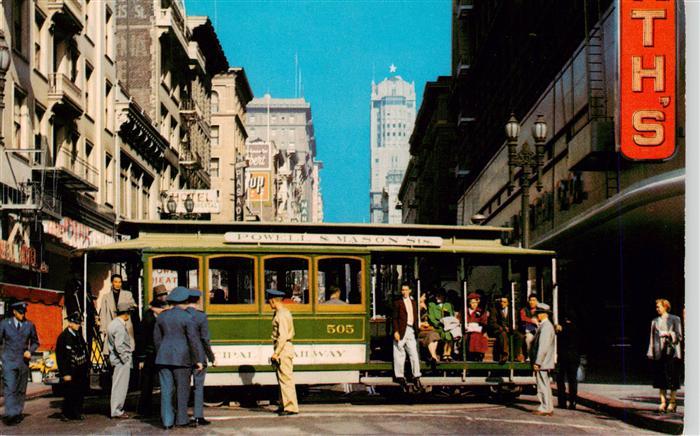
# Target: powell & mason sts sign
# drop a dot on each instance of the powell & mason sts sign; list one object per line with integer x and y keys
{"x": 330, "y": 239}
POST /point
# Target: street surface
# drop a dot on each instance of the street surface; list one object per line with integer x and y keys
{"x": 332, "y": 412}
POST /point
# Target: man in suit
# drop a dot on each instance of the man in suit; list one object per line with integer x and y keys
{"x": 202, "y": 325}
{"x": 568, "y": 361}
{"x": 502, "y": 329}
{"x": 19, "y": 338}
{"x": 147, "y": 350}
{"x": 542, "y": 357}
{"x": 108, "y": 308}
{"x": 405, "y": 328}
{"x": 283, "y": 354}
{"x": 178, "y": 350}
{"x": 73, "y": 368}
{"x": 121, "y": 349}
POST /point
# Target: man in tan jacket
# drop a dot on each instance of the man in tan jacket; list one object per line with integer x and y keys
{"x": 282, "y": 335}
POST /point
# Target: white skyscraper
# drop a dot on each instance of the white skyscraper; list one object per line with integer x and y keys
{"x": 392, "y": 114}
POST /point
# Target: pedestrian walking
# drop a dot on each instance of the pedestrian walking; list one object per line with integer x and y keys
{"x": 405, "y": 327}
{"x": 542, "y": 357}
{"x": 283, "y": 354}
{"x": 108, "y": 309}
{"x": 147, "y": 349}
{"x": 121, "y": 349}
{"x": 178, "y": 350}
{"x": 202, "y": 327}
{"x": 568, "y": 360}
{"x": 665, "y": 352}
{"x": 19, "y": 339}
{"x": 73, "y": 368}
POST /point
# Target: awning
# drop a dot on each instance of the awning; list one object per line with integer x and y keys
{"x": 31, "y": 294}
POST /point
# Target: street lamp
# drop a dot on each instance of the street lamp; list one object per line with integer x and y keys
{"x": 530, "y": 162}
{"x": 171, "y": 205}
{"x": 189, "y": 204}
{"x": 4, "y": 66}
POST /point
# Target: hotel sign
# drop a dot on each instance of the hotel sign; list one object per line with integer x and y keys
{"x": 330, "y": 239}
{"x": 648, "y": 79}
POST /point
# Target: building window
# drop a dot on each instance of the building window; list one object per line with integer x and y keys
{"x": 214, "y": 136}
{"x": 18, "y": 25}
{"x": 214, "y": 102}
{"x": 214, "y": 167}
{"x": 109, "y": 166}
{"x": 18, "y": 119}
{"x": 109, "y": 33}
{"x": 109, "y": 122}
{"x": 38, "y": 25}
{"x": 88, "y": 90}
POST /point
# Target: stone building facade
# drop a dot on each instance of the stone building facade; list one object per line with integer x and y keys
{"x": 230, "y": 94}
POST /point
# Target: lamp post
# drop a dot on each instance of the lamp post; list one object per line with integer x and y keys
{"x": 4, "y": 66}
{"x": 530, "y": 162}
{"x": 171, "y": 205}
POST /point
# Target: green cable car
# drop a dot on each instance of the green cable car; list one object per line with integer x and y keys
{"x": 340, "y": 281}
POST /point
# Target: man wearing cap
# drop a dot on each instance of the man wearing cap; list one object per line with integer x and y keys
{"x": 178, "y": 350}
{"x": 108, "y": 308}
{"x": 202, "y": 325}
{"x": 283, "y": 354}
{"x": 147, "y": 350}
{"x": 18, "y": 335}
{"x": 121, "y": 348}
{"x": 542, "y": 358}
{"x": 73, "y": 369}
{"x": 405, "y": 326}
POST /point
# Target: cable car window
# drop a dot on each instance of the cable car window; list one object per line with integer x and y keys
{"x": 172, "y": 271}
{"x": 289, "y": 275}
{"x": 339, "y": 281}
{"x": 231, "y": 280}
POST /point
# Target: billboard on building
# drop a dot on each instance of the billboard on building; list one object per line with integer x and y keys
{"x": 258, "y": 186}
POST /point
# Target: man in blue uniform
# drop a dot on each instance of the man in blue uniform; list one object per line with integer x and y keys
{"x": 202, "y": 325}
{"x": 179, "y": 349}
{"x": 72, "y": 359}
{"x": 18, "y": 335}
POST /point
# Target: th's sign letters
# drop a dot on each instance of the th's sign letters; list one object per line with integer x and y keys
{"x": 648, "y": 79}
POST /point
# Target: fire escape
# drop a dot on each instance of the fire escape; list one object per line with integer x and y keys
{"x": 191, "y": 163}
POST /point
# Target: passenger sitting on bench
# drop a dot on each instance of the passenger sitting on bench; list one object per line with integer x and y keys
{"x": 427, "y": 336}
{"x": 437, "y": 312}
{"x": 476, "y": 319}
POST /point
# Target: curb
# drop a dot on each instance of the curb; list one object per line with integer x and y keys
{"x": 631, "y": 415}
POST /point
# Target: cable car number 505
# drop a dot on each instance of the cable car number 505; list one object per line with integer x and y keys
{"x": 340, "y": 329}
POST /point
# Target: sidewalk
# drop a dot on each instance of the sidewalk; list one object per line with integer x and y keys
{"x": 635, "y": 404}
{"x": 34, "y": 390}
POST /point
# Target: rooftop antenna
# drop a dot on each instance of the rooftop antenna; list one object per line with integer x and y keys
{"x": 216, "y": 14}
{"x": 301, "y": 85}
{"x": 296, "y": 75}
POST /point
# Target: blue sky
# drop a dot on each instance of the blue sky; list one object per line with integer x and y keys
{"x": 341, "y": 46}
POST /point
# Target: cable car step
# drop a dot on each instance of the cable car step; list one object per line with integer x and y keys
{"x": 453, "y": 381}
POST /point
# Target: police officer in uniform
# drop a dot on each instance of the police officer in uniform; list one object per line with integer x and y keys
{"x": 178, "y": 350}
{"x": 202, "y": 325}
{"x": 147, "y": 349}
{"x": 73, "y": 367}
{"x": 18, "y": 335}
{"x": 282, "y": 335}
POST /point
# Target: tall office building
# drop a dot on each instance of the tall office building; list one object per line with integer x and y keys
{"x": 392, "y": 114}
{"x": 286, "y": 124}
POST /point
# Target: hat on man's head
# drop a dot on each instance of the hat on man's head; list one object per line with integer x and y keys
{"x": 160, "y": 290}
{"x": 124, "y": 307}
{"x": 273, "y": 293}
{"x": 195, "y": 293}
{"x": 179, "y": 295}
{"x": 19, "y": 306}
{"x": 75, "y": 317}
{"x": 542, "y": 308}
{"x": 473, "y": 296}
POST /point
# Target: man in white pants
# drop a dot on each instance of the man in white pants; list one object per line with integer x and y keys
{"x": 542, "y": 358}
{"x": 405, "y": 326}
{"x": 121, "y": 349}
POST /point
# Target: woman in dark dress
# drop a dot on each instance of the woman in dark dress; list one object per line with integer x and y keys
{"x": 665, "y": 352}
